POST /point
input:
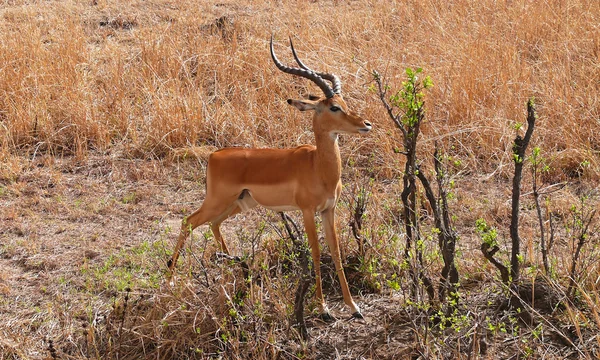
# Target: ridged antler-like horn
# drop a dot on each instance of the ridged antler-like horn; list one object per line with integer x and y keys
{"x": 305, "y": 73}
{"x": 335, "y": 81}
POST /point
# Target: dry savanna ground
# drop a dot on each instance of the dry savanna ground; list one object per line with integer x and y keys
{"x": 108, "y": 111}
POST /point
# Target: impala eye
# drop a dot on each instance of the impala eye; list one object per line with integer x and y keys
{"x": 335, "y": 109}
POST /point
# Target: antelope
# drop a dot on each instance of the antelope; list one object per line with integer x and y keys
{"x": 305, "y": 178}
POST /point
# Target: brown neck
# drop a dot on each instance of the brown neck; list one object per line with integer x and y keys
{"x": 329, "y": 163}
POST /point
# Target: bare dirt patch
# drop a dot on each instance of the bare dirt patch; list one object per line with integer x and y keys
{"x": 60, "y": 218}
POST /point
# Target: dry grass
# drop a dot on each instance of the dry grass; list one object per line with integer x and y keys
{"x": 142, "y": 78}
{"x": 108, "y": 110}
{"x": 76, "y": 235}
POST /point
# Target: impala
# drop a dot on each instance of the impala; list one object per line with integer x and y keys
{"x": 306, "y": 178}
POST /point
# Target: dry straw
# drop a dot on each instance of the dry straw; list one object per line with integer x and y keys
{"x": 142, "y": 79}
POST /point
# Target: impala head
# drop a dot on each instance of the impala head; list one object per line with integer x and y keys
{"x": 331, "y": 112}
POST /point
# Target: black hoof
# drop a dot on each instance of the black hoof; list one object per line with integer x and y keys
{"x": 326, "y": 317}
{"x": 169, "y": 263}
{"x": 357, "y": 315}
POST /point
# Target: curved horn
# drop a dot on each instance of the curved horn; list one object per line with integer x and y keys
{"x": 305, "y": 73}
{"x": 335, "y": 81}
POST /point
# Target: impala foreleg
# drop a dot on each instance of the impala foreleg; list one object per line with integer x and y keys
{"x": 313, "y": 241}
{"x": 334, "y": 247}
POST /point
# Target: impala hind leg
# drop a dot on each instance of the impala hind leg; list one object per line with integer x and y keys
{"x": 313, "y": 241}
{"x": 208, "y": 212}
{"x": 216, "y": 224}
{"x": 334, "y": 247}
{"x": 244, "y": 202}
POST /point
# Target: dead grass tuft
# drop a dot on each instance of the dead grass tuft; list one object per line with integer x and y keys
{"x": 157, "y": 76}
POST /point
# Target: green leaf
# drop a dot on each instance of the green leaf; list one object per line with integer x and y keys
{"x": 427, "y": 82}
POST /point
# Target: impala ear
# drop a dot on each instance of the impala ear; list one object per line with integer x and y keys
{"x": 303, "y": 105}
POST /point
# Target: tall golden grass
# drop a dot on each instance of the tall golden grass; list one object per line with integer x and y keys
{"x": 142, "y": 78}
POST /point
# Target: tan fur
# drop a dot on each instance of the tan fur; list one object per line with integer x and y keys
{"x": 306, "y": 178}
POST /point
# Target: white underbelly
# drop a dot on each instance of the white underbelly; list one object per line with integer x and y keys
{"x": 282, "y": 208}
{"x": 248, "y": 201}
{"x": 328, "y": 204}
